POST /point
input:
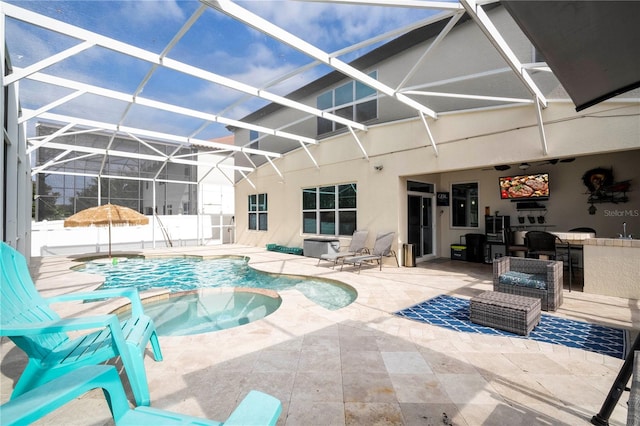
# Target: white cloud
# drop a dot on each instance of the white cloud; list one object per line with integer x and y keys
{"x": 150, "y": 24}
{"x": 331, "y": 25}
{"x": 148, "y": 12}
{"x": 25, "y": 47}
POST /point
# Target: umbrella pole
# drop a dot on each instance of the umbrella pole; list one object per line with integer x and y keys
{"x": 109, "y": 238}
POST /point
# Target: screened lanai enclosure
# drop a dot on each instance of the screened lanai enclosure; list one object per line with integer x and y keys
{"x": 157, "y": 105}
{"x": 133, "y": 181}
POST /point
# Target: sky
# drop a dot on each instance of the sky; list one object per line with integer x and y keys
{"x": 216, "y": 43}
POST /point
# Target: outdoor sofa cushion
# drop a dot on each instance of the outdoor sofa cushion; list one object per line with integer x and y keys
{"x": 523, "y": 279}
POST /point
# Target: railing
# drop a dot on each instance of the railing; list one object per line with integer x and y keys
{"x": 165, "y": 232}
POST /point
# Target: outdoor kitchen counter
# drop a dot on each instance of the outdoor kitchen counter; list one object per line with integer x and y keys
{"x": 574, "y": 237}
{"x": 612, "y": 267}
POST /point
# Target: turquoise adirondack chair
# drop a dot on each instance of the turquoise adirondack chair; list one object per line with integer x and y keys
{"x": 256, "y": 409}
{"x": 27, "y": 319}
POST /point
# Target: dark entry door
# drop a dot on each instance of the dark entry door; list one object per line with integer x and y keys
{"x": 420, "y": 224}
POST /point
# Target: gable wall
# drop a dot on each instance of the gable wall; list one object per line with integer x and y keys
{"x": 446, "y": 61}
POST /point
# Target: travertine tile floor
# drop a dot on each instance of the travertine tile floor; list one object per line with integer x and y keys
{"x": 360, "y": 365}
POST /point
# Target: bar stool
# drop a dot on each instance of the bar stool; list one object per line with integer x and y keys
{"x": 513, "y": 249}
{"x": 541, "y": 243}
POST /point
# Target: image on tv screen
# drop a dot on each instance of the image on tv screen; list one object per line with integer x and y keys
{"x": 525, "y": 186}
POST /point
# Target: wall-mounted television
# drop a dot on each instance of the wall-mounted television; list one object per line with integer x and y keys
{"x": 525, "y": 187}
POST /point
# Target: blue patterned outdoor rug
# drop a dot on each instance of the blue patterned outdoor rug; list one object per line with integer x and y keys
{"x": 453, "y": 313}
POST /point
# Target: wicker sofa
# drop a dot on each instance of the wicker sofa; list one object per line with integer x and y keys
{"x": 530, "y": 277}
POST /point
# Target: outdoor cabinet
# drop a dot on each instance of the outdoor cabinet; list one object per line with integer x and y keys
{"x": 315, "y": 247}
{"x": 496, "y": 251}
{"x": 496, "y": 228}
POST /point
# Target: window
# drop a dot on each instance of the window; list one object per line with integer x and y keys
{"x": 258, "y": 212}
{"x": 353, "y": 100}
{"x": 254, "y": 139}
{"x": 329, "y": 210}
{"x": 464, "y": 205}
{"x": 427, "y": 188}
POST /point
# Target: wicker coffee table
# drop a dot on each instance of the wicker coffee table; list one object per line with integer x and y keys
{"x": 509, "y": 312}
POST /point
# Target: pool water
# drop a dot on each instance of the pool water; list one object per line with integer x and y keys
{"x": 192, "y": 273}
{"x": 207, "y": 310}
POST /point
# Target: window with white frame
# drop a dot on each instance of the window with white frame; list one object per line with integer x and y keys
{"x": 258, "y": 212}
{"x": 353, "y": 100}
{"x": 464, "y": 205}
{"x": 329, "y": 210}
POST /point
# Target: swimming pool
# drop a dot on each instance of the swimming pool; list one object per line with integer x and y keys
{"x": 205, "y": 310}
{"x": 192, "y": 273}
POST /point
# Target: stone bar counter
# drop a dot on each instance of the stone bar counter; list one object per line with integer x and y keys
{"x": 612, "y": 267}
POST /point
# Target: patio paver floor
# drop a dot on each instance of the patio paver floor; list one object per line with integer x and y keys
{"x": 360, "y": 365}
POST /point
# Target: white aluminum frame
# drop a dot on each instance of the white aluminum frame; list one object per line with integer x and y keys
{"x": 452, "y": 11}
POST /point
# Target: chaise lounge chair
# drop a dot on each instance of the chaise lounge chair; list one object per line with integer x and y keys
{"x": 357, "y": 246}
{"x": 27, "y": 319}
{"x": 381, "y": 248}
{"x": 256, "y": 408}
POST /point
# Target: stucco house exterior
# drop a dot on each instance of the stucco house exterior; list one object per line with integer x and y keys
{"x": 391, "y": 174}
